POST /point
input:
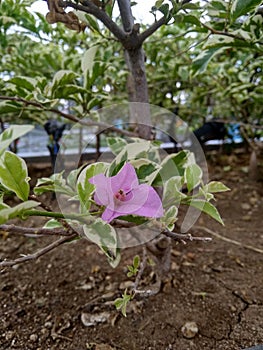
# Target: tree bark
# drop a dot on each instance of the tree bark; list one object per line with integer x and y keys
{"x": 137, "y": 83}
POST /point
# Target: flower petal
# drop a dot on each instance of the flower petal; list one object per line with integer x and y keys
{"x": 151, "y": 206}
{"x": 126, "y": 179}
{"x": 144, "y": 202}
{"x": 108, "y": 215}
{"x": 103, "y": 195}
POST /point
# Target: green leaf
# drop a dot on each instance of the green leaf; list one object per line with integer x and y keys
{"x": 242, "y": 7}
{"x": 145, "y": 169}
{"x": 170, "y": 217}
{"x": 84, "y": 188}
{"x": 14, "y": 175}
{"x": 17, "y": 211}
{"x": 12, "y": 133}
{"x": 61, "y": 79}
{"x": 9, "y": 107}
{"x": 104, "y": 235}
{"x": 24, "y": 82}
{"x": 164, "y": 9}
{"x": 2, "y": 204}
{"x": 191, "y": 19}
{"x": 172, "y": 165}
{"x": 88, "y": 59}
{"x": 215, "y": 186}
{"x": 201, "y": 61}
{"x": 193, "y": 176}
{"x": 93, "y": 24}
{"x": 54, "y": 183}
{"x": 207, "y": 208}
{"x": 158, "y": 3}
{"x": 136, "y": 261}
{"x": 53, "y": 223}
{"x": 172, "y": 191}
{"x": 116, "y": 144}
{"x": 121, "y": 303}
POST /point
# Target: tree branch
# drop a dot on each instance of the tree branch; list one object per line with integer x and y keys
{"x": 33, "y": 231}
{"x": 68, "y": 116}
{"x": 153, "y": 28}
{"x": 182, "y": 237}
{"x": 219, "y": 32}
{"x": 126, "y": 15}
{"x": 88, "y": 7}
{"x": 36, "y": 255}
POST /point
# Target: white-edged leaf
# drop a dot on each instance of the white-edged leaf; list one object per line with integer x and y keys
{"x": 170, "y": 217}
{"x": 88, "y": 59}
{"x": 116, "y": 144}
{"x": 105, "y": 236}
{"x": 207, "y": 208}
{"x": 12, "y": 133}
{"x": 14, "y": 174}
{"x": 215, "y": 186}
{"x": 193, "y": 176}
{"x": 201, "y": 61}
{"x": 84, "y": 188}
{"x": 242, "y": 7}
{"x": 17, "y": 211}
{"x": 172, "y": 191}
{"x": 24, "y": 82}
{"x": 145, "y": 169}
{"x": 52, "y": 223}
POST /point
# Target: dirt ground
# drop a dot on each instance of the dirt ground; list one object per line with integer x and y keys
{"x": 63, "y": 301}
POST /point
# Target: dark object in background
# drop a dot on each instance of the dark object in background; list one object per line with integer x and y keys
{"x": 55, "y": 131}
{"x": 211, "y": 131}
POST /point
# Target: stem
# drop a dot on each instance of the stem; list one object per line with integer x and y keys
{"x": 80, "y": 217}
{"x": 39, "y": 253}
{"x": 33, "y": 231}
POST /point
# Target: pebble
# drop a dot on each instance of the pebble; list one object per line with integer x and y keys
{"x": 48, "y": 325}
{"x": 189, "y": 330}
{"x": 246, "y": 218}
{"x": 253, "y": 200}
{"x": 33, "y": 337}
{"x": 89, "y": 320}
{"x": 245, "y": 206}
{"x": 9, "y": 335}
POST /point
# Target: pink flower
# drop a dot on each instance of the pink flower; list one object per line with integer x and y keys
{"x": 122, "y": 195}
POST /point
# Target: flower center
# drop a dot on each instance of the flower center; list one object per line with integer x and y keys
{"x": 120, "y": 195}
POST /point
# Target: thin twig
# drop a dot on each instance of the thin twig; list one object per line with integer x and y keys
{"x": 222, "y": 238}
{"x": 33, "y": 231}
{"x": 68, "y": 116}
{"x": 182, "y": 237}
{"x": 36, "y": 255}
{"x": 141, "y": 270}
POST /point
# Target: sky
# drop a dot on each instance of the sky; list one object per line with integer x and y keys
{"x": 140, "y": 11}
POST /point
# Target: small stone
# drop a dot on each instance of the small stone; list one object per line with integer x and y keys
{"x": 33, "y": 337}
{"x": 126, "y": 284}
{"x": 40, "y": 302}
{"x": 253, "y": 200}
{"x": 189, "y": 330}
{"x": 246, "y": 217}
{"x": 9, "y": 335}
{"x": 245, "y": 206}
{"x": 48, "y": 325}
{"x": 89, "y": 320}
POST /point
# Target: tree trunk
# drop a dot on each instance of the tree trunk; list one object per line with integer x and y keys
{"x": 137, "y": 82}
